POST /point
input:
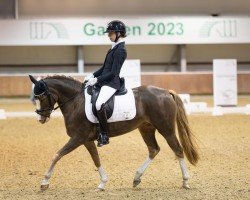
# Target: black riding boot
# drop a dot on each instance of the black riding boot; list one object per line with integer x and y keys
{"x": 103, "y": 127}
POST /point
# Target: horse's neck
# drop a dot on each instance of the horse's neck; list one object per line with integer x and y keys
{"x": 64, "y": 89}
{"x": 68, "y": 94}
{"x": 65, "y": 93}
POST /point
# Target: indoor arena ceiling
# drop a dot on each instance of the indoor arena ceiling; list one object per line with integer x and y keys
{"x": 132, "y": 7}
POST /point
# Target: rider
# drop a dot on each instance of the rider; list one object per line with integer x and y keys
{"x": 107, "y": 77}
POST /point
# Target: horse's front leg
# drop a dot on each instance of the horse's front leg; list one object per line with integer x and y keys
{"x": 72, "y": 144}
{"x": 91, "y": 147}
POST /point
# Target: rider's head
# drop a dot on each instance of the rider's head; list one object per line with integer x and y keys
{"x": 118, "y": 28}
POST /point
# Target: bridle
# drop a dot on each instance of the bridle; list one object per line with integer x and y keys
{"x": 47, "y": 111}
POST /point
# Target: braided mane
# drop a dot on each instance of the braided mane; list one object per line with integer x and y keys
{"x": 67, "y": 79}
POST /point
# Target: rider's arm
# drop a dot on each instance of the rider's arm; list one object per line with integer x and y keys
{"x": 98, "y": 72}
{"x": 119, "y": 58}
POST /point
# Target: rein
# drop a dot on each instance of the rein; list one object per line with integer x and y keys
{"x": 52, "y": 108}
{"x": 61, "y": 104}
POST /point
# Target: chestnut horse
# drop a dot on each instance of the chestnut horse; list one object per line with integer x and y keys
{"x": 156, "y": 109}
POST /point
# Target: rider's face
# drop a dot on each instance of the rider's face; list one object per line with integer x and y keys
{"x": 112, "y": 36}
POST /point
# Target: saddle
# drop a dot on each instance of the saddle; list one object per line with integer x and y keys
{"x": 94, "y": 91}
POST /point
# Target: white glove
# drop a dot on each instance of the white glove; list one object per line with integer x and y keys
{"x": 92, "y": 81}
{"x": 88, "y": 77}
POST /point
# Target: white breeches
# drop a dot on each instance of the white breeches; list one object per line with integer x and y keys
{"x": 105, "y": 94}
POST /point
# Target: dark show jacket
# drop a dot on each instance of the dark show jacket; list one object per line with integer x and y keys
{"x": 108, "y": 74}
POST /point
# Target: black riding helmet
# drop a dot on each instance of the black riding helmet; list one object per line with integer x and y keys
{"x": 117, "y": 27}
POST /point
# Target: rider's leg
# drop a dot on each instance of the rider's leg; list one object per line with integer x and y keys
{"x": 103, "y": 127}
{"x": 105, "y": 94}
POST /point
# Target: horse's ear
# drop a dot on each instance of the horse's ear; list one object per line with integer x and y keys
{"x": 33, "y": 79}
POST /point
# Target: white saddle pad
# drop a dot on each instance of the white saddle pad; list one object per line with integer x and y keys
{"x": 124, "y": 107}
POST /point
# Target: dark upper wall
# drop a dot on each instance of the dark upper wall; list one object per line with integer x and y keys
{"x": 50, "y": 8}
{"x": 152, "y": 57}
{"x": 7, "y": 9}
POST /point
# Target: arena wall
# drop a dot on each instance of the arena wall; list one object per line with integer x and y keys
{"x": 192, "y": 83}
{"x": 154, "y": 58}
{"x": 160, "y": 63}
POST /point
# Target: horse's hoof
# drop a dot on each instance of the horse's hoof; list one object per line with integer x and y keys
{"x": 44, "y": 187}
{"x": 136, "y": 182}
{"x": 100, "y": 189}
{"x": 186, "y": 186}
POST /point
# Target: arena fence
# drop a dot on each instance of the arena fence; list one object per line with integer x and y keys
{"x": 192, "y": 83}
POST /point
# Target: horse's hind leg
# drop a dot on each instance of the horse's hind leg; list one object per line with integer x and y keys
{"x": 148, "y": 134}
{"x": 168, "y": 132}
{"x": 72, "y": 144}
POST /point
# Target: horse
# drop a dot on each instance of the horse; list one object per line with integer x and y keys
{"x": 156, "y": 109}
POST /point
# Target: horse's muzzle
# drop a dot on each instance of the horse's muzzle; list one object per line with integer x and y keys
{"x": 43, "y": 120}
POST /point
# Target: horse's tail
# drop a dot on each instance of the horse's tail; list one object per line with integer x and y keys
{"x": 185, "y": 134}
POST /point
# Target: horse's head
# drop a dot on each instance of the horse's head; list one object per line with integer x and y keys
{"x": 44, "y": 99}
